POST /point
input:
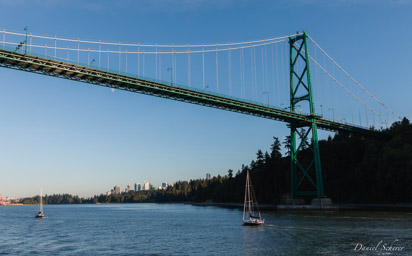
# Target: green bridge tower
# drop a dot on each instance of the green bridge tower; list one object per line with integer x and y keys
{"x": 306, "y": 176}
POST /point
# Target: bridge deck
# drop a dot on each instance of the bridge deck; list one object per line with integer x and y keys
{"x": 81, "y": 73}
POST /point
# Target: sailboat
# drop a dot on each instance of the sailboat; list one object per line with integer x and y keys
{"x": 249, "y": 214}
{"x": 40, "y": 214}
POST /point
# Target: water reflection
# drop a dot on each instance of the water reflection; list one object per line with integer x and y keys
{"x": 176, "y": 229}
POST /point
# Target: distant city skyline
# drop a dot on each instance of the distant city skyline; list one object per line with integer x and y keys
{"x": 137, "y": 187}
{"x": 82, "y": 139}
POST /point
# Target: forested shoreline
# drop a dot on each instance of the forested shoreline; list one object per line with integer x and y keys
{"x": 355, "y": 170}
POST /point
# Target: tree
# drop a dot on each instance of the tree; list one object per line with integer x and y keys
{"x": 230, "y": 173}
{"x": 259, "y": 157}
{"x": 267, "y": 158}
{"x": 287, "y": 144}
{"x": 275, "y": 148}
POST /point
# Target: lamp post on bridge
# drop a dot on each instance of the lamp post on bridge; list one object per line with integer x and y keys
{"x": 91, "y": 63}
{"x": 267, "y": 93}
{"x": 333, "y": 111}
{"x": 321, "y": 110}
{"x": 171, "y": 75}
{"x": 25, "y": 42}
{"x": 300, "y": 108}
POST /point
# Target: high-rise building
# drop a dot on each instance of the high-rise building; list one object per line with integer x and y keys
{"x": 127, "y": 189}
{"x": 146, "y": 186}
{"x": 137, "y": 187}
{"x": 164, "y": 185}
{"x": 151, "y": 187}
{"x": 208, "y": 176}
{"x": 116, "y": 190}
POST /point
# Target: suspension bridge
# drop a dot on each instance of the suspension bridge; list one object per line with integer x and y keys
{"x": 274, "y": 78}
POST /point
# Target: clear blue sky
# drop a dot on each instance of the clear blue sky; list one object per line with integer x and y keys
{"x": 70, "y": 137}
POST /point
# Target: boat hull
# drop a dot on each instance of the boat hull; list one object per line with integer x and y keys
{"x": 253, "y": 222}
{"x": 40, "y": 215}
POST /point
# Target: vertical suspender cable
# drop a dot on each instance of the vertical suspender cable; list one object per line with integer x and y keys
{"x": 334, "y": 99}
{"x": 108, "y": 59}
{"x": 156, "y": 60}
{"x": 143, "y": 62}
{"x": 282, "y": 67}
{"x": 243, "y": 71}
{"x": 380, "y": 113}
{"x": 126, "y": 60}
{"x": 263, "y": 74}
{"x": 266, "y": 68}
{"x": 217, "y": 72}
{"x": 351, "y": 110}
{"x": 387, "y": 118}
{"x": 360, "y": 119}
{"x": 252, "y": 73}
{"x": 138, "y": 59}
{"x": 188, "y": 66}
{"x": 55, "y": 47}
{"x": 320, "y": 86}
{"x": 203, "y": 66}
{"x": 229, "y": 61}
{"x": 120, "y": 50}
{"x": 273, "y": 77}
{"x": 175, "y": 70}
{"x": 318, "y": 97}
{"x": 240, "y": 72}
{"x": 78, "y": 51}
{"x": 100, "y": 49}
{"x": 160, "y": 66}
{"x": 31, "y": 37}
{"x": 326, "y": 84}
{"x": 254, "y": 63}
{"x": 344, "y": 101}
{"x": 277, "y": 73}
{"x": 172, "y": 67}
{"x": 287, "y": 60}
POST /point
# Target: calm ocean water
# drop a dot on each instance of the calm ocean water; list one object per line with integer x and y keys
{"x": 178, "y": 229}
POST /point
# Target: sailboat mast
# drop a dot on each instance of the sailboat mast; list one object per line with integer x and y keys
{"x": 41, "y": 200}
{"x": 247, "y": 192}
{"x": 244, "y": 204}
{"x": 250, "y": 200}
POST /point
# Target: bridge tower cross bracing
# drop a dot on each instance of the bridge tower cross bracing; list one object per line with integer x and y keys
{"x": 306, "y": 178}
